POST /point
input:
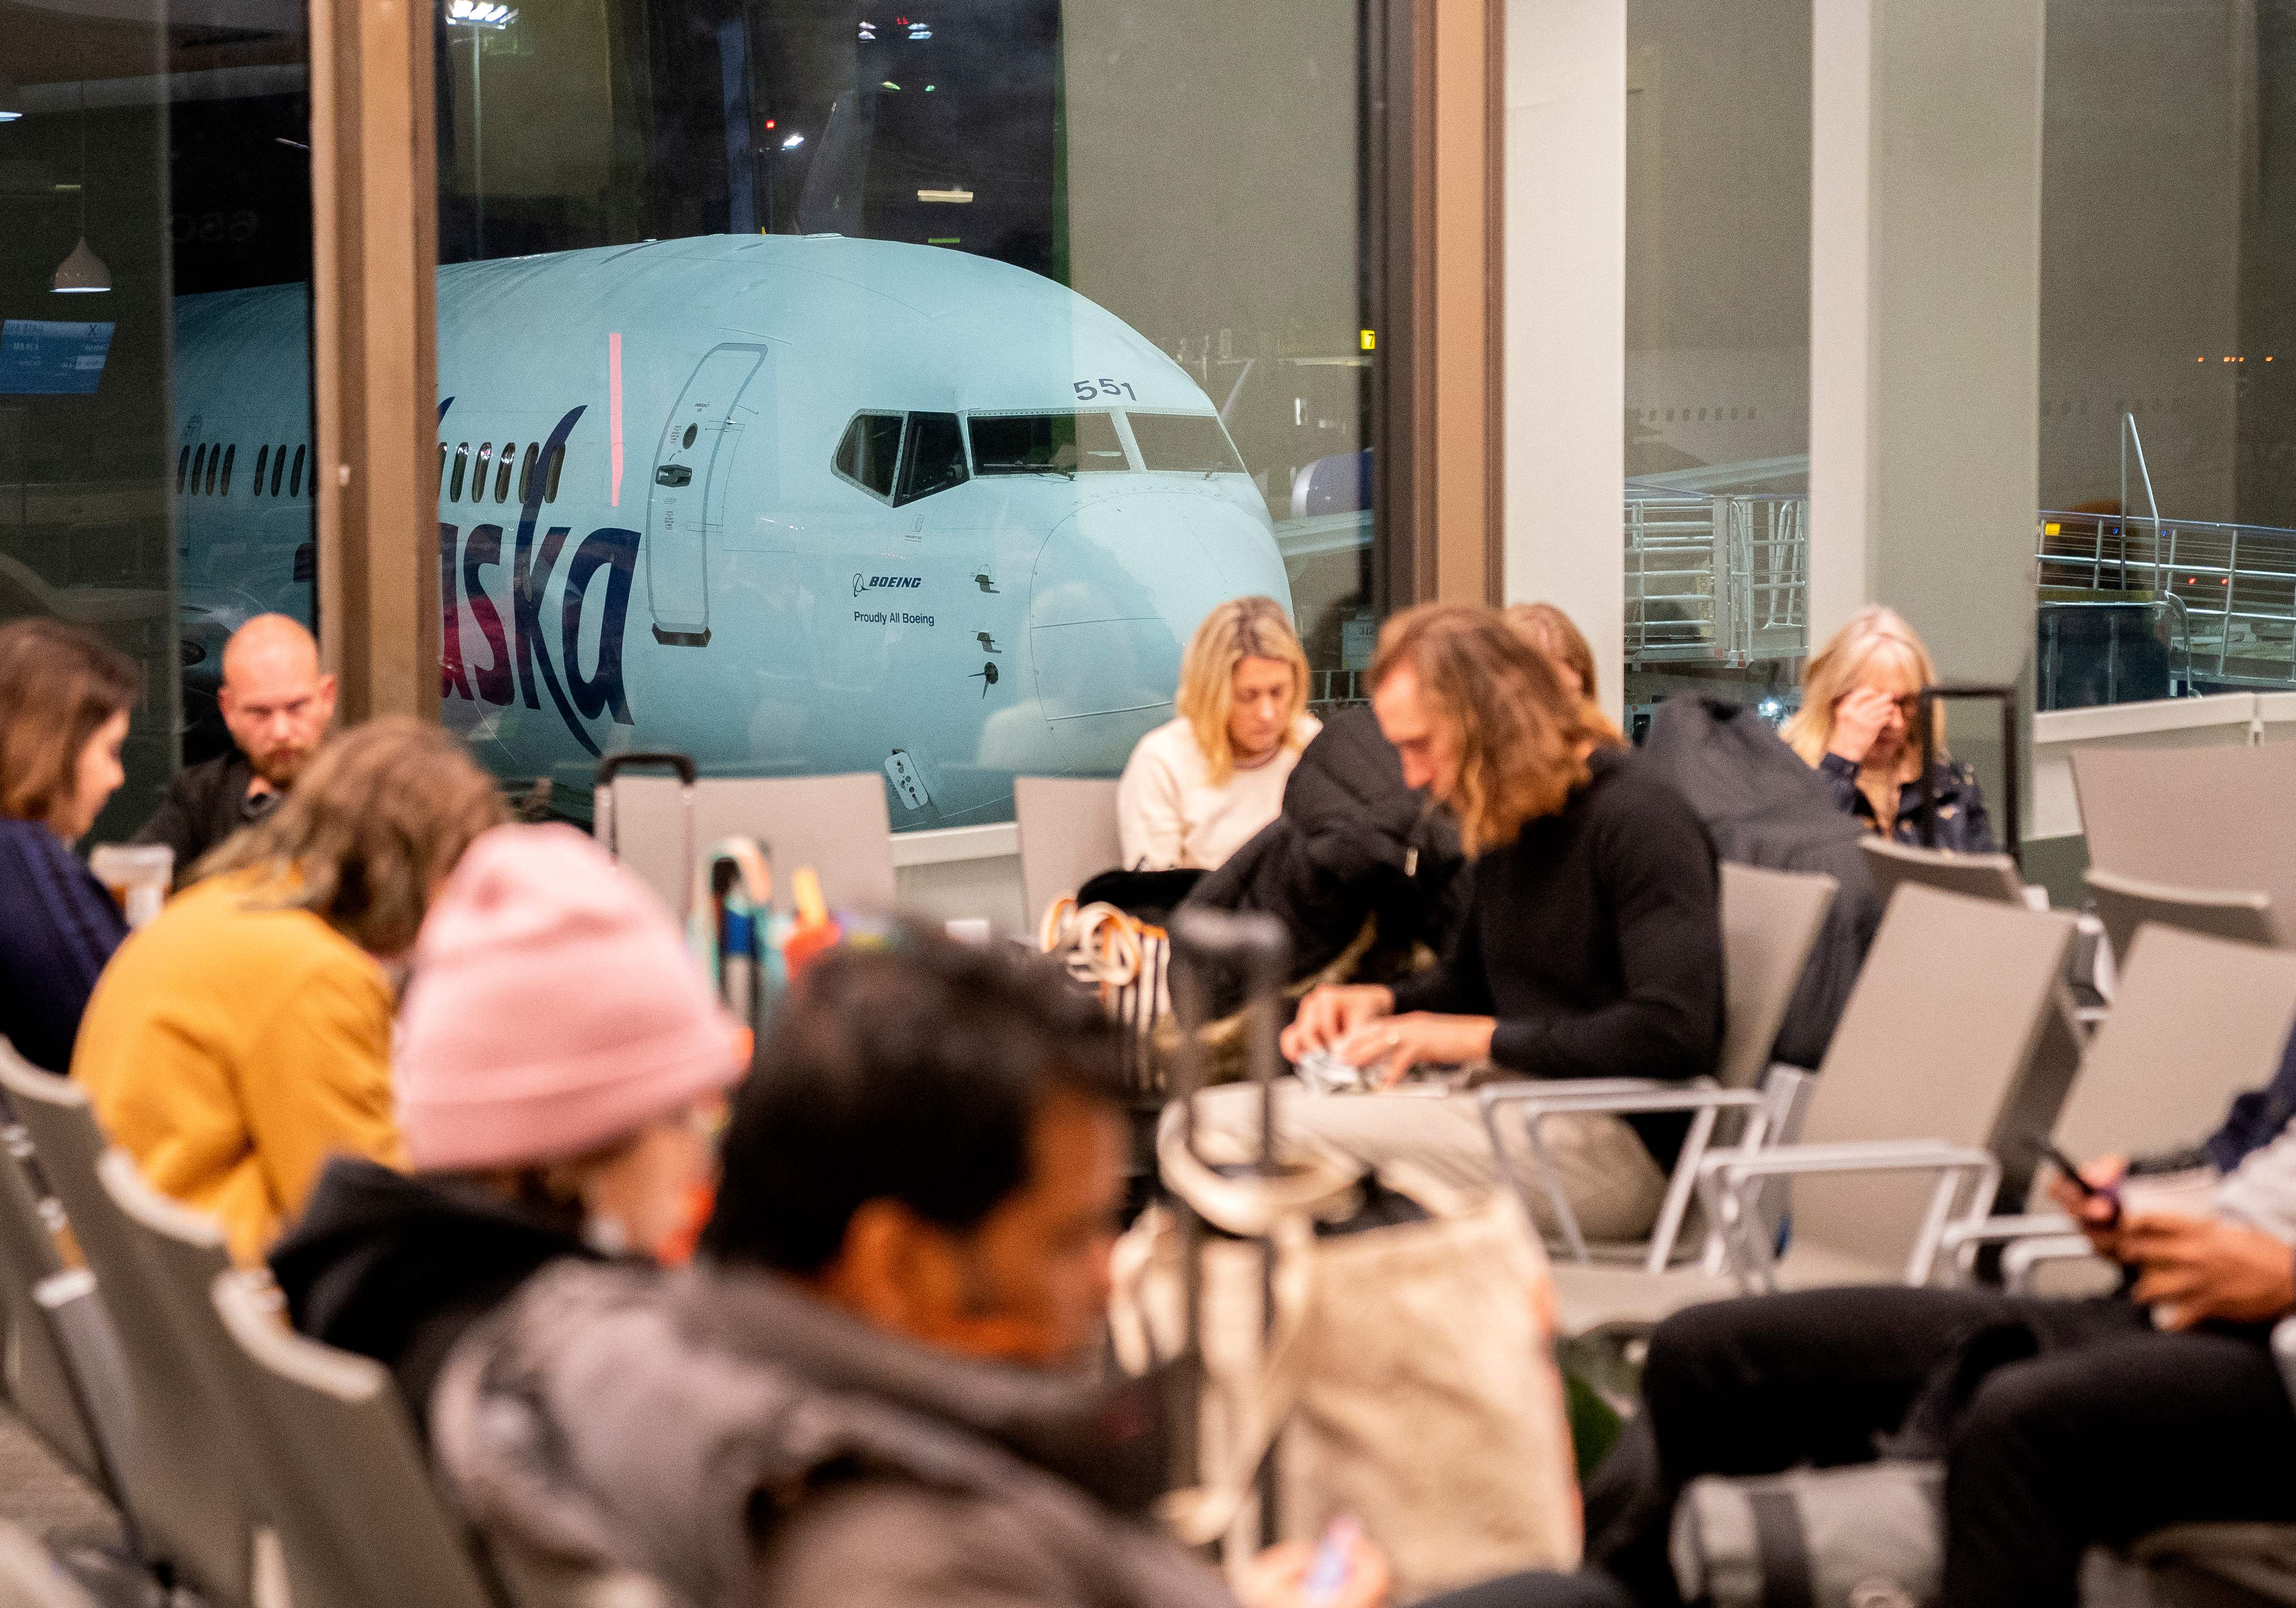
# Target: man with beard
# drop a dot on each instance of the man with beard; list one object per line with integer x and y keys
{"x": 278, "y": 706}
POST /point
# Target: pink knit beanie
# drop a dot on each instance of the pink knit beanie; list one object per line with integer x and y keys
{"x": 552, "y": 1009}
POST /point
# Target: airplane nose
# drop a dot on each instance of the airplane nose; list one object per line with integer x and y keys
{"x": 1120, "y": 587}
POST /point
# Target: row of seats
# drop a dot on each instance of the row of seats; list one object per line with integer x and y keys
{"x": 1897, "y": 1158}
{"x": 256, "y": 1465}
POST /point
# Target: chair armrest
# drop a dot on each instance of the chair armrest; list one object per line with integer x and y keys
{"x": 1877, "y": 1156}
{"x": 2284, "y": 1353}
{"x": 1517, "y": 1088}
{"x": 1620, "y": 1096}
{"x": 1730, "y": 1180}
{"x": 2012, "y": 1226}
{"x": 2024, "y": 1255}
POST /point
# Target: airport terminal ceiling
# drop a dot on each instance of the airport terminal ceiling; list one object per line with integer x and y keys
{"x": 1095, "y": 270}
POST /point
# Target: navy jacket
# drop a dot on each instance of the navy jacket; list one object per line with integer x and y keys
{"x": 1962, "y": 824}
{"x": 58, "y": 926}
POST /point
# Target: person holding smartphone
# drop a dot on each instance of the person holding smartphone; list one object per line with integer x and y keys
{"x": 2061, "y": 1425}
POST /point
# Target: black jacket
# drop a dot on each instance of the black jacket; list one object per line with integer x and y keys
{"x": 1962, "y": 824}
{"x": 1595, "y": 938}
{"x": 1353, "y": 843}
{"x": 205, "y": 804}
{"x": 397, "y": 1267}
{"x": 1764, "y": 806}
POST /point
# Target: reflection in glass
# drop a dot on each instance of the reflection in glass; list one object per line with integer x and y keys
{"x": 2167, "y": 531}
{"x": 1718, "y": 350}
{"x": 918, "y": 379}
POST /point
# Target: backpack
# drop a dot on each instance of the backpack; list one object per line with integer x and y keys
{"x": 1764, "y": 806}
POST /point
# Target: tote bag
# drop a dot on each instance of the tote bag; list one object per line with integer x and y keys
{"x": 1408, "y": 1378}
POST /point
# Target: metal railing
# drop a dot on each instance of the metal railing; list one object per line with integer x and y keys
{"x": 2228, "y": 591}
{"x": 1716, "y": 579}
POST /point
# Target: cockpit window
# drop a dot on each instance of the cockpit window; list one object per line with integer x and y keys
{"x": 1193, "y": 442}
{"x": 870, "y": 452}
{"x": 932, "y": 458}
{"x": 1046, "y": 444}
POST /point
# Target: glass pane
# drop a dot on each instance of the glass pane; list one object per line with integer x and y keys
{"x": 1193, "y": 442}
{"x": 867, "y": 456}
{"x": 935, "y": 455}
{"x": 2167, "y": 521}
{"x": 154, "y": 256}
{"x": 733, "y": 265}
{"x": 1047, "y": 443}
{"x": 1718, "y": 351}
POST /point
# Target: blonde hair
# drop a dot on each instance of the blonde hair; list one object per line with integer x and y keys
{"x": 1840, "y": 664}
{"x": 1551, "y": 631}
{"x": 375, "y": 822}
{"x": 1522, "y": 738}
{"x": 1240, "y": 628}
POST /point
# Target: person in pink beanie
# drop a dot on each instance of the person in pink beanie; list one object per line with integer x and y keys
{"x": 559, "y": 1070}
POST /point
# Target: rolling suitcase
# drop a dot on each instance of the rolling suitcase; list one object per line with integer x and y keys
{"x": 606, "y": 829}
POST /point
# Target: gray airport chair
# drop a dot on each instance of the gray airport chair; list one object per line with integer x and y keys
{"x": 2192, "y": 817}
{"x": 192, "y": 1508}
{"x": 2196, "y": 1020}
{"x": 2125, "y": 903}
{"x": 61, "y": 1360}
{"x": 359, "y": 1522}
{"x": 1992, "y": 876}
{"x": 1770, "y": 919}
{"x": 31, "y": 1579}
{"x": 1939, "y": 1032}
{"x": 1068, "y": 836}
{"x": 837, "y": 824}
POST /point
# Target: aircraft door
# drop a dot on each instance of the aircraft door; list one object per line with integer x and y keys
{"x": 685, "y": 501}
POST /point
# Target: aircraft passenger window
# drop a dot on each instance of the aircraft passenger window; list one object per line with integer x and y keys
{"x": 229, "y": 453}
{"x": 442, "y": 467}
{"x": 526, "y": 471}
{"x": 295, "y": 476}
{"x": 262, "y": 459}
{"x": 478, "y": 479}
{"x": 183, "y": 463}
{"x": 502, "y": 475}
{"x": 934, "y": 457}
{"x": 869, "y": 452}
{"x": 278, "y": 468}
{"x": 1046, "y": 444}
{"x": 557, "y": 465}
{"x": 203, "y": 468}
{"x": 1194, "y": 442}
{"x": 461, "y": 467}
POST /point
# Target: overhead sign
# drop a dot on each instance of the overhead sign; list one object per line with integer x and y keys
{"x": 47, "y": 358}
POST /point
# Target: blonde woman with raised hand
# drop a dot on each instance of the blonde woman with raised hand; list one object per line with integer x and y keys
{"x": 1199, "y": 787}
{"x": 1859, "y": 726}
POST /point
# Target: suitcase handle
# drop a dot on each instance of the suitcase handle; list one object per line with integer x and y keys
{"x": 614, "y": 765}
{"x": 2005, "y": 694}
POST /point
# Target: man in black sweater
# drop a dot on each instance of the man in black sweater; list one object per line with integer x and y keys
{"x": 278, "y": 706}
{"x": 1592, "y": 946}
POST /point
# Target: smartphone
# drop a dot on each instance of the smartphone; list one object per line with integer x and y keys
{"x": 1333, "y": 1564}
{"x": 2071, "y": 1170}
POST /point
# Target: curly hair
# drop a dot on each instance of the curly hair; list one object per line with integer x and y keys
{"x": 376, "y": 822}
{"x": 58, "y": 685}
{"x": 1522, "y": 738}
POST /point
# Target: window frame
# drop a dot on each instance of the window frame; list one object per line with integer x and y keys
{"x": 900, "y": 447}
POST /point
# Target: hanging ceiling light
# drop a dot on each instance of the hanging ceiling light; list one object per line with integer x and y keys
{"x": 83, "y": 271}
{"x": 11, "y": 99}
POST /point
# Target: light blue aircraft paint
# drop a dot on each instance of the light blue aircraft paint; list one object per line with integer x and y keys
{"x": 792, "y": 506}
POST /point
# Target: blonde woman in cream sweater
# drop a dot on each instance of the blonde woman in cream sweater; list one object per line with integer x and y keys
{"x": 1198, "y": 787}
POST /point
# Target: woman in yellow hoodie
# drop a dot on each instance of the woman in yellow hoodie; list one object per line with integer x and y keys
{"x": 243, "y": 1036}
